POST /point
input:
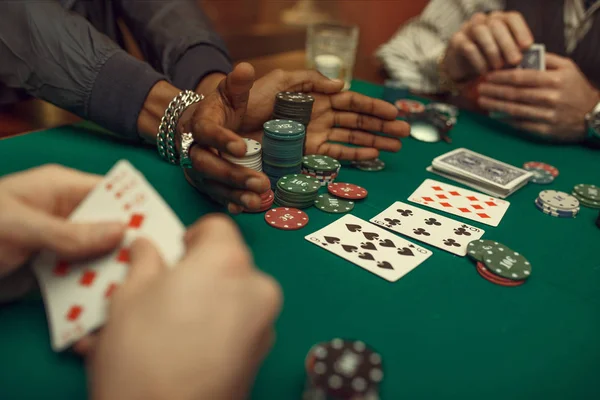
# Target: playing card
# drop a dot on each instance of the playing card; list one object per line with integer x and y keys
{"x": 76, "y": 294}
{"x": 534, "y": 57}
{"x": 427, "y": 227}
{"x": 484, "y": 170}
{"x": 370, "y": 247}
{"x": 462, "y": 202}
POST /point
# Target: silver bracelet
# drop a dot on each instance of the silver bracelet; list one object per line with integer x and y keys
{"x": 165, "y": 138}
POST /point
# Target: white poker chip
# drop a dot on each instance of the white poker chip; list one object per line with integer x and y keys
{"x": 558, "y": 200}
{"x": 252, "y": 147}
{"x": 424, "y": 132}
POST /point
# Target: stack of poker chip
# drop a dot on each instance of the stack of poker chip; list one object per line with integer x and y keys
{"x": 282, "y": 149}
{"x": 374, "y": 165}
{"x": 252, "y": 159}
{"x": 293, "y": 106}
{"x": 323, "y": 168}
{"x": 588, "y": 195}
{"x": 497, "y": 263}
{"x": 543, "y": 173}
{"x": 557, "y": 204}
{"x": 296, "y": 190}
{"x": 342, "y": 369}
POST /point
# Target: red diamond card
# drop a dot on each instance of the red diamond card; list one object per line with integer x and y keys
{"x": 462, "y": 202}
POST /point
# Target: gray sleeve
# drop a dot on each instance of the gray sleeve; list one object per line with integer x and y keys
{"x": 58, "y": 56}
{"x": 177, "y": 39}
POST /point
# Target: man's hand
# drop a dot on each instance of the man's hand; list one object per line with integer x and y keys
{"x": 486, "y": 43}
{"x": 551, "y": 103}
{"x": 199, "y": 331}
{"x": 33, "y": 210}
{"x": 346, "y": 117}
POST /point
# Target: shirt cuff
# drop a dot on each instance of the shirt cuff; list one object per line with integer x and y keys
{"x": 119, "y": 93}
{"x": 196, "y": 63}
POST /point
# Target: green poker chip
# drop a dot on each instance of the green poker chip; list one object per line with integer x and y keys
{"x": 587, "y": 192}
{"x": 478, "y": 248}
{"x": 298, "y": 184}
{"x": 585, "y": 202}
{"x": 320, "y": 163}
{"x": 502, "y": 261}
{"x": 331, "y": 204}
{"x": 369, "y": 165}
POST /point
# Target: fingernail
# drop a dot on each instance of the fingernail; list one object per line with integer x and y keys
{"x": 109, "y": 229}
{"x": 338, "y": 81}
{"x": 255, "y": 184}
{"x": 236, "y": 147}
{"x": 246, "y": 199}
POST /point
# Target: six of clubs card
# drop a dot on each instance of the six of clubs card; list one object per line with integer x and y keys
{"x": 370, "y": 247}
{"x": 76, "y": 295}
{"x": 436, "y": 230}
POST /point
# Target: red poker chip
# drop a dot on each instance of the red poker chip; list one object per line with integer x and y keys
{"x": 288, "y": 219}
{"x": 536, "y": 164}
{"x": 347, "y": 190}
{"x": 266, "y": 194}
{"x": 487, "y": 275}
{"x": 407, "y": 107}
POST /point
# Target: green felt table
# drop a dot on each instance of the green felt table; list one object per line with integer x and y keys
{"x": 443, "y": 331}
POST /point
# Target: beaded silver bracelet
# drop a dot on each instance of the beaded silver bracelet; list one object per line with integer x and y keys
{"x": 165, "y": 138}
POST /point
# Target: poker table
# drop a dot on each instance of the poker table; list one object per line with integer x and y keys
{"x": 442, "y": 330}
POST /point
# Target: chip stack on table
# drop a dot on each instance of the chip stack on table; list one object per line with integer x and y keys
{"x": 334, "y": 205}
{"x": 287, "y": 219}
{"x": 293, "y": 106}
{"x": 348, "y": 191}
{"x": 557, "y": 204}
{"x": 497, "y": 263}
{"x": 588, "y": 195}
{"x": 282, "y": 149}
{"x": 409, "y": 108}
{"x": 374, "y": 165}
{"x": 342, "y": 370}
{"x": 297, "y": 190}
{"x": 324, "y": 168}
{"x": 543, "y": 173}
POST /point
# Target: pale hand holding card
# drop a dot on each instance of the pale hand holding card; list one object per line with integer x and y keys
{"x": 76, "y": 295}
{"x": 370, "y": 247}
{"x": 462, "y": 202}
{"x": 427, "y": 227}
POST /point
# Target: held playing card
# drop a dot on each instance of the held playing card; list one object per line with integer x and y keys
{"x": 370, "y": 247}
{"x": 427, "y": 227}
{"x": 76, "y": 294}
{"x": 534, "y": 57}
{"x": 475, "y": 168}
{"x": 462, "y": 202}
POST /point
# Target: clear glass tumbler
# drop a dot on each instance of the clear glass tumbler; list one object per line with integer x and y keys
{"x": 331, "y": 49}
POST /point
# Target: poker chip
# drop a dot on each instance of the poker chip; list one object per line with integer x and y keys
{"x": 331, "y": 204}
{"x": 294, "y": 106}
{"x": 559, "y": 201}
{"x": 477, "y": 249}
{"x": 283, "y": 149}
{"x": 347, "y": 191}
{"x": 285, "y": 218}
{"x": 540, "y": 175}
{"x": 252, "y": 159}
{"x": 409, "y": 107}
{"x": 323, "y": 168}
{"x": 374, "y": 165}
{"x": 443, "y": 108}
{"x": 487, "y": 275}
{"x": 588, "y": 195}
{"x": 537, "y": 164}
{"x": 424, "y": 132}
{"x": 507, "y": 263}
{"x": 585, "y": 202}
{"x": 266, "y": 199}
{"x": 556, "y": 212}
{"x": 297, "y": 190}
{"x": 343, "y": 369}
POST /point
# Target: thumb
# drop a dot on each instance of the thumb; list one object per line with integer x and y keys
{"x": 236, "y": 87}
{"x": 71, "y": 241}
{"x": 145, "y": 264}
{"x": 312, "y": 81}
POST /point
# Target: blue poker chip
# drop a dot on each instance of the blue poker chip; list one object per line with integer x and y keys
{"x": 554, "y": 212}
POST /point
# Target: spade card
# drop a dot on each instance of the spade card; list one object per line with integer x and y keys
{"x": 76, "y": 294}
{"x": 427, "y": 227}
{"x": 370, "y": 247}
{"x": 534, "y": 58}
{"x": 462, "y": 202}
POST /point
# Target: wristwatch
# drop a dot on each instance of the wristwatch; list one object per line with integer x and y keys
{"x": 592, "y": 122}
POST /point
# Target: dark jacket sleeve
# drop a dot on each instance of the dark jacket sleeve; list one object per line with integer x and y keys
{"x": 59, "y": 57}
{"x": 177, "y": 39}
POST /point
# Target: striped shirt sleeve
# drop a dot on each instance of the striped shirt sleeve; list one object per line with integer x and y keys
{"x": 411, "y": 55}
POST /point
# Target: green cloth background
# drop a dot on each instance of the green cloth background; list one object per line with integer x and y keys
{"x": 442, "y": 330}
